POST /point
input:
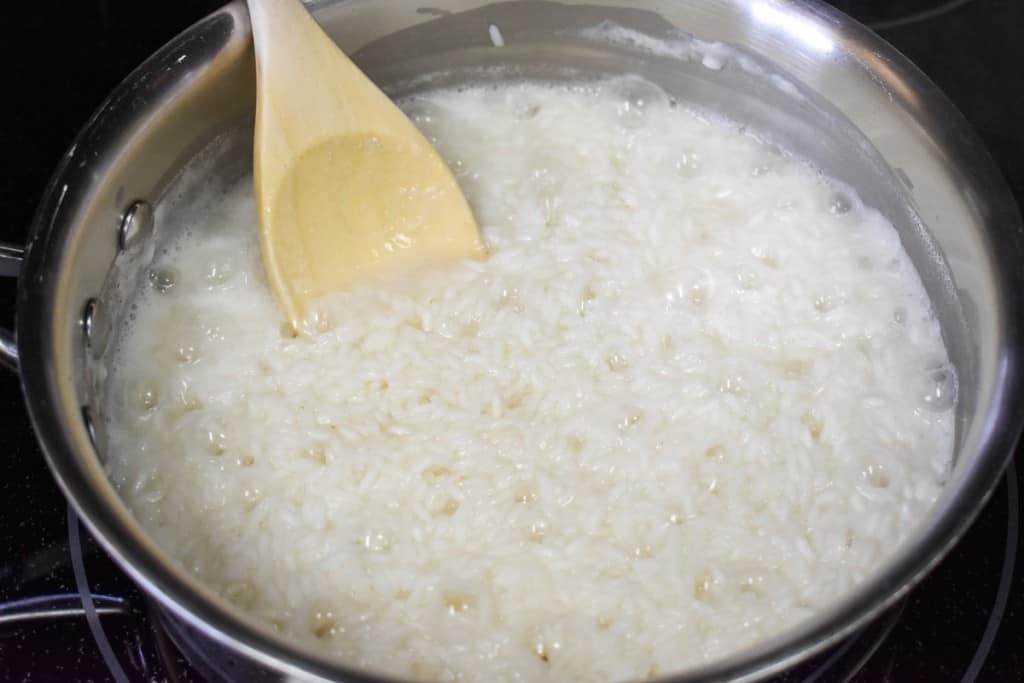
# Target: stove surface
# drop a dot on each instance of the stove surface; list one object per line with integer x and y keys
{"x": 68, "y": 613}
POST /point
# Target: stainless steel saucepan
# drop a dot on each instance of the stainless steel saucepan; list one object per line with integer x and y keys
{"x": 804, "y": 76}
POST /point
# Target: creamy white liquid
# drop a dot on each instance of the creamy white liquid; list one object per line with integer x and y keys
{"x": 694, "y": 395}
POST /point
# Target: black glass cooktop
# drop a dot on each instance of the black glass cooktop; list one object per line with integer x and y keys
{"x": 67, "y": 613}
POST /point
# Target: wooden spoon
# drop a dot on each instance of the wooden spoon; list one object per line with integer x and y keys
{"x": 346, "y": 186}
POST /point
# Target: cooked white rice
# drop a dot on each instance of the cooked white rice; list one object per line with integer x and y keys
{"x": 695, "y": 394}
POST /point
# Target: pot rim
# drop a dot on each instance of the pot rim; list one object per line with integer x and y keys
{"x": 46, "y": 374}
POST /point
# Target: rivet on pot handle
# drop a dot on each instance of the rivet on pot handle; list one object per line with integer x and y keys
{"x": 11, "y": 256}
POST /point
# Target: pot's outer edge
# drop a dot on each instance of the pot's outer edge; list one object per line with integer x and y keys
{"x": 62, "y": 435}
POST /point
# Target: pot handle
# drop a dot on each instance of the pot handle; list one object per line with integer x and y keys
{"x": 11, "y": 256}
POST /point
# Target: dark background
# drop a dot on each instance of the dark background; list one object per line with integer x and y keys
{"x": 60, "y": 58}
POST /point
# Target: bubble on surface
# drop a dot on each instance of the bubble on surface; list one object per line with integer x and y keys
{"x": 877, "y": 476}
{"x": 938, "y": 388}
{"x": 617, "y": 362}
{"x": 457, "y": 603}
{"x": 839, "y": 204}
{"x": 164, "y": 279}
{"x": 688, "y": 164}
{"x": 216, "y": 441}
{"x": 187, "y": 354}
{"x": 376, "y": 541}
{"x": 322, "y": 623}
{"x": 219, "y": 272}
{"x": 824, "y": 303}
{"x": 636, "y": 98}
